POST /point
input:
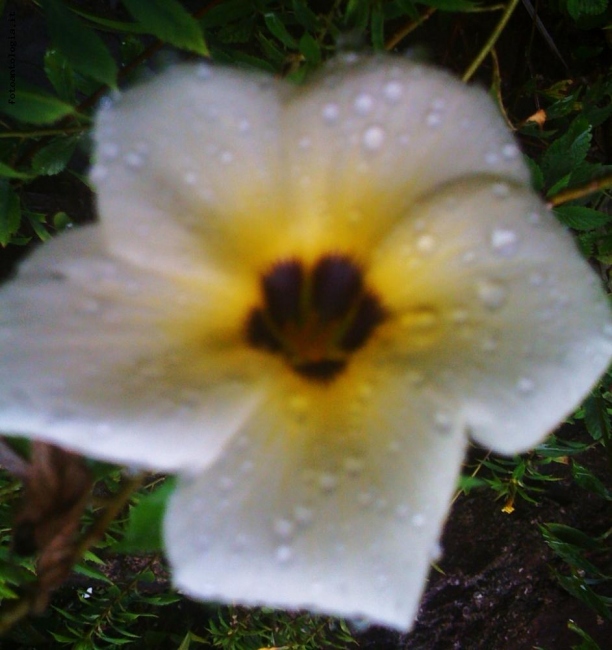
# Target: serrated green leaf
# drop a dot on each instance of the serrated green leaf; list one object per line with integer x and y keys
{"x": 33, "y": 105}
{"x": 53, "y": 158}
{"x": 60, "y": 74}
{"x": 581, "y": 218}
{"x": 10, "y": 212}
{"x": 143, "y": 532}
{"x": 579, "y": 8}
{"x": 567, "y": 152}
{"x": 81, "y": 46}
{"x": 170, "y": 22}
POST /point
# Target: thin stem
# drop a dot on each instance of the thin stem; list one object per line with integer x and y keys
{"x": 409, "y": 27}
{"x": 40, "y": 133}
{"x": 488, "y": 46}
{"x": 582, "y": 190}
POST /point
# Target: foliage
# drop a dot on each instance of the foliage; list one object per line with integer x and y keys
{"x": 560, "y": 104}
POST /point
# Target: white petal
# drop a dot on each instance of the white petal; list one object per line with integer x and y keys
{"x": 502, "y": 315}
{"x": 188, "y": 165}
{"x": 88, "y": 361}
{"x": 343, "y": 520}
{"x": 370, "y": 137}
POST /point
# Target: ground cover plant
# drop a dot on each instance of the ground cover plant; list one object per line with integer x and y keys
{"x": 534, "y": 572}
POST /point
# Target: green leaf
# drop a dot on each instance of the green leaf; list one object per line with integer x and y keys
{"x": 278, "y": 29}
{"x": 580, "y": 218}
{"x": 170, "y": 22}
{"x": 60, "y": 74}
{"x": 143, "y": 533}
{"x": 567, "y": 152}
{"x": 81, "y": 46}
{"x": 587, "y": 480}
{"x": 579, "y": 8}
{"x": 378, "y": 28}
{"x": 310, "y": 49}
{"x": 35, "y": 106}
{"x": 596, "y": 418}
{"x": 10, "y": 212}
{"x": 53, "y": 158}
{"x": 9, "y": 172}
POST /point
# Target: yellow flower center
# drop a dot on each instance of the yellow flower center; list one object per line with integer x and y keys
{"x": 314, "y": 317}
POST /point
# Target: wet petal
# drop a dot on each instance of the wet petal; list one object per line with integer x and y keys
{"x": 188, "y": 165}
{"x": 98, "y": 356}
{"x": 311, "y": 508}
{"x": 370, "y": 135}
{"x": 500, "y": 313}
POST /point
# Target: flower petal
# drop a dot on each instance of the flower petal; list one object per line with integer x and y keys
{"x": 501, "y": 314}
{"x": 188, "y": 165}
{"x": 370, "y": 135}
{"x": 321, "y": 509}
{"x": 90, "y": 360}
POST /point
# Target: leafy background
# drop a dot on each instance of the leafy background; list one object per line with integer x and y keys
{"x": 528, "y": 562}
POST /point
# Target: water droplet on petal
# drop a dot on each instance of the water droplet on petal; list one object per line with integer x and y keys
{"x": 510, "y": 151}
{"x": 330, "y": 113}
{"x": 226, "y": 483}
{"x": 418, "y": 520}
{"x": 525, "y": 385}
{"x": 504, "y": 242}
{"x": 392, "y": 91}
{"x": 303, "y": 515}
{"x": 190, "y": 178}
{"x": 203, "y": 71}
{"x": 328, "y": 482}
{"x": 90, "y": 306}
{"x": 363, "y": 104}
{"x": 244, "y": 126}
{"x": 284, "y": 528}
{"x": 402, "y": 511}
{"x": 98, "y": 173}
{"x": 227, "y": 157}
{"x": 426, "y": 244}
{"x": 492, "y": 294}
{"x": 501, "y": 190}
{"x": 373, "y": 138}
{"x": 284, "y": 554}
{"x": 443, "y": 422}
{"x": 353, "y": 465}
{"x": 109, "y": 150}
{"x": 491, "y": 158}
{"x": 133, "y": 160}
{"x": 433, "y": 119}
{"x": 304, "y": 142}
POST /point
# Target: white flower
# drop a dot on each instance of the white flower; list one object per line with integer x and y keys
{"x": 302, "y": 300}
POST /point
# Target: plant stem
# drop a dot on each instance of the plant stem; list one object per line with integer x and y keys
{"x": 488, "y": 46}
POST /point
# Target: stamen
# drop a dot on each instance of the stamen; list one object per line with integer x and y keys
{"x": 282, "y": 288}
{"x": 368, "y": 316}
{"x": 336, "y": 284}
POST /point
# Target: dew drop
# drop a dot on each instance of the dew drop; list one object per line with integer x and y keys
{"x": 536, "y": 279}
{"x": 525, "y": 385}
{"x": 203, "y": 71}
{"x": 443, "y": 422}
{"x": 98, "y": 173}
{"x": 433, "y": 119}
{"x": 363, "y": 104}
{"x": 402, "y": 511}
{"x": 109, "y": 150}
{"x": 244, "y": 126}
{"x": 418, "y": 520}
{"x": 304, "y": 143}
{"x": 330, "y": 113}
{"x": 510, "y": 151}
{"x": 365, "y": 499}
{"x": 90, "y": 306}
{"x": 303, "y": 515}
{"x": 226, "y": 157}
{"x": 133, "y": 160}
{"x": 392, "y": 91}
{"x": 328, "y": 482}
{"x": 491, "y": 158}
{"x": 373, "y": 138}
{"x": 353, "y": 465}
{"x": 284, "y": 528}
{"x": 426, "y": 244}
{"x": 501, "y": 190}
{"x": 190, "y": 178}
{"x": 284, "y": 554}
{"x": 226, "y": 483}
{"x": 504, "y": 242}
{"x": 492, "y": 294}
{"x": 424, "y": 318}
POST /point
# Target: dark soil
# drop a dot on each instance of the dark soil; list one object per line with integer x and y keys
{"x": 495, "y": 589}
